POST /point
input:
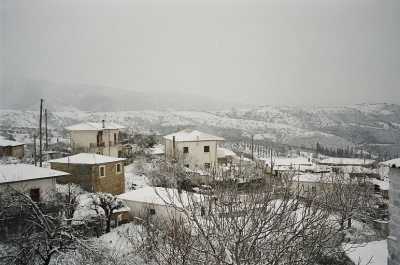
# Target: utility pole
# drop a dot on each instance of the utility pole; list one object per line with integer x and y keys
{"x": 34, "y": 149}
{"x": 40, "y": 133}
{"x": 252, "y": 147}
{"x": 45, "y": 124}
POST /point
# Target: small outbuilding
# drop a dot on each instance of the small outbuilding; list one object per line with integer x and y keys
{"x": 12, "y": 148}
{"x": 38, "y": 182}
{"x": 93, "y": 172}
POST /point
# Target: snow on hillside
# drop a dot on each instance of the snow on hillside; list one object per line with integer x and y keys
{"x": 332, "y": 126}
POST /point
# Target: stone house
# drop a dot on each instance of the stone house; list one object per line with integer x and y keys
{"x": 93, "y": 172}
{"x": 37, "y": 182}
{"x": 12, "y": 148}
{"x": 192, "y": 148}
{"x": 101, "y": 138}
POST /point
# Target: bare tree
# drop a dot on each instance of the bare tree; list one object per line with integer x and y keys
{"x": 108, "y": 203}
{"x": 253, "y": 226}
{"x": 44, "y": 235}
{"x": 347, "y": 198}
{"x": 68, "y": 196}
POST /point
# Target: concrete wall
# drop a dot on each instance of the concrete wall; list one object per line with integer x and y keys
{"x": 394, "y": 210}
{"x": 196, "y": 158}
{"x": 86, "y": 141}
{"x": 141, "y": 210}
{"x": 47, "y": 187}
{"x": 88, "y": 177}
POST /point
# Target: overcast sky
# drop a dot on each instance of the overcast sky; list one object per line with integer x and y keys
{"x": 298, "y": 52}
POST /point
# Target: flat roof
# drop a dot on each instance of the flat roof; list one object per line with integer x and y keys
{"x": 94, "y": 126}
{"x": 86, "y": 158}
{"x": 158, "y": 195}
{"x": 347, "y": 161}
{"x": 24, "y": 172}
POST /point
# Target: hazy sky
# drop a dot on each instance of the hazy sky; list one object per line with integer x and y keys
{"x": 262, "y": 52}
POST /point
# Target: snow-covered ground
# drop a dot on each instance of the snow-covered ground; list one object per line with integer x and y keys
{"x": 135, "y": 177}
{"x": 372, "y": 253}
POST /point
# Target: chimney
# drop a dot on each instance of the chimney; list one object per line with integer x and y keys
{"x": 104, "y": 123}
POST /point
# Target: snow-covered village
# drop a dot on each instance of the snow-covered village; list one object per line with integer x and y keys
{"x": 225, "y": 132}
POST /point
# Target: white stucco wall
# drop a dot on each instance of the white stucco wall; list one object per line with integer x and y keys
{"x": 196, "y": 158}
{"x": 82, "y": 140}
{"x": 47, "y": 187}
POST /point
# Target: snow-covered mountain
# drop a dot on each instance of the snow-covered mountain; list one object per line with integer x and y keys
{"x": 373, "y": 124}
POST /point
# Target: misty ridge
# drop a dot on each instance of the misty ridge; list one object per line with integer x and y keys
{"x": 24, "y": 94}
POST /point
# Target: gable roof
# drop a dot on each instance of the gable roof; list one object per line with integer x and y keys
{"x": 189, "y": 135}
{"x": 4, "y": 142}
{"x": 23, "y": 172}
{"x": 94, "y": 126}
{"x": 87, "y": 159}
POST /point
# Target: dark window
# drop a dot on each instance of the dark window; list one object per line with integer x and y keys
{"x": 152, "y": 211}
{"x": 118, "y": 168}
{"x": 314, "y": 189}
{"x": 206, "y": 149}
{"x": 115, "y": 138}
{"x": 207, "y": 165}
{"x": 187, "y": 165}
{"x": 119, "y": 153}
{"x": 100, "y": 138}
{"x": 185, "y": 150}
{"x": 102, "y": 171}
{"x": 35, "y": 195}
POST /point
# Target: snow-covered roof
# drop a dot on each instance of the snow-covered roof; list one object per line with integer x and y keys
{"x": 94, "y": 126}
{"x": 311, "y": 178}
{"x": 392, "y": 163}
{"x": 22, "y": 172}
{"x": 288, "y": 161}
{"x": 223, "y": 152}
{"x": 157, "y": 150}
{"x": 189, "y": 135}
{"x": 383, "y": 185}
{"x": 86, "y": 158}
{"x": 158, "y": 195}
{"x": 346, "y": 161}
{"x": 4, "y": 142}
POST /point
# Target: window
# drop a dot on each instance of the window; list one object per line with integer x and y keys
{"x": 314, "y": 189}
{"x": 119, "y": 168}
{"x": 119, "y": 153}
{"x": 187, "y": 165}
{"x": 152, "y": 211}
{"x": 185, "y": 150}
{"x": 207, "y": 165}
{"x": 115, "y": 138}
{"x": 206, "y": 149}
{"x": 102, "y": 171}
{"x": 35, "y": 195}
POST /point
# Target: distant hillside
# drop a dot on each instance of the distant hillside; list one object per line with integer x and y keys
{"x": 24, "y": 94}
{"x": 370, "y": 125}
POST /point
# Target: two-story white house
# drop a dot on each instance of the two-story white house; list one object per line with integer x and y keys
{"x": 195, "y": 149}
{"x": 92, "y": 137}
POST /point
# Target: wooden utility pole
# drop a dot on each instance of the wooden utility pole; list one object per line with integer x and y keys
{"x": 252, "y": 147}
{"x": 45, "y": 125}
{"x": 40, "y": 133}
{"x": 34, "y": 149}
